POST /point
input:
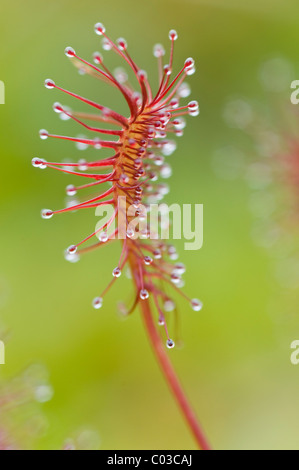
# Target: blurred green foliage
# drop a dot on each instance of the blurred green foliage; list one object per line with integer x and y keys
{"x": 235, "y": 363}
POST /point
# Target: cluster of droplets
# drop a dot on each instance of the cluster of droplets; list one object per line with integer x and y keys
{"x": 140, "y": 146}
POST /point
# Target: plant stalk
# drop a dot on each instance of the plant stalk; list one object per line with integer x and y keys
{"x": 171, "y": 377}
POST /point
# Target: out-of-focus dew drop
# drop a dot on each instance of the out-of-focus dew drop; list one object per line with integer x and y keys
{"x": 265, "y": 234}
{"x": 196, "y": 305}
{"x": 97, "y": 303}
{"x": 116, "y": 272}
{"x": 81, "y": 146}
{"x": 169, "y": 305}
{"x": 270, "y": 168}
{"x": 238, "y": 114}
{"x": 170, "y": 344}
{"x": 44, "y": 393}
{"x": 259, "y": 175}
{"x": 71, "y": 201}
{"x": 262, "y": 204}
{"x": 71, "y": 257}
{"x": 276, "y": 74}
{"x": 102, "y": 236}
{"x": 268, "y": 144}
{"x": 229, "y": 163}
{"x": 143, "y": 294}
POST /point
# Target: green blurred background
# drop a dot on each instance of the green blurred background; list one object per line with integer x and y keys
{"x": 235, "y": 363}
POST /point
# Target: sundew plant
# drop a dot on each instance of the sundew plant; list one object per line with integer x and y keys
{"x": 131, "y": 176}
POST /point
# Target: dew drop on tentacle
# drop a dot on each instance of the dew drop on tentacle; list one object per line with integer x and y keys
{"x": 136, "y": 203}
{"x": 196, "y": 305}
{"x": 72, "y": 249}
{"x": 49, "y": 83}
{"x": 43, "y": 134}
{"x": 39, "y": 163}
{"x": 99, "y": 29}
{"x": 97, "y": 303}
{"x": 179, "y": 123}
{"x": 130, "y": 233}
{"x": 71, "y": 203}
{"x": 167, "y": 69}
{"x": 153, "y": 176}
{"x": 116, "y": 272}
{"x": 157, "y": 254}
{"x": 144, "y": 294}
{"x": 193, "y": 108}
{"x": 194, "y": 113}
{"x": 179, "y": 132}
{"x": 191, "y": 71}
{"x": 174, "y": 103}
{"x": 158, "y": 160}
{"x": 69, "y": 52}
{"x": 97, "y": 143}
{"x": 189, "y": 64}
{"x": 71, "y": 190}
{"x": 106, "y": 45}
{"x": 124, "y": 179}
{"x": 179, "y": 268}
{"x": 47, "y": 213}
{"x": 172, "y": 253}
{"x": 193, "y": 105}
{"x": 122, "y": 44}
{"x": 142, "y": 214}
{"x": 82, "y": 162}
{"x": 170, "y": 343}
{"x": 57, "y": 107}
{"x": 138, "y": 191}
{"x": 103, "y": 237}
{"x": 97, "y": 58}
{"x": 175, "y": 279}
{"x": 161, "y": 320}
{"x": 147, "y": 260}
{"x": 173, "y": 35}
{"x": 142, "y": 74}
{"x": 151, "y": 134}
{"x": 144, "y": 234}
{"x": 65, "y": 114}
{"x": 81, "y": 146}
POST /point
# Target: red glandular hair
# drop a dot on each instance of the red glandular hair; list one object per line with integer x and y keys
{"x": 139, "y": 144}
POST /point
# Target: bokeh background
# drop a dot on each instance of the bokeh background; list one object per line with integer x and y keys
{"x": 235, "y": 363}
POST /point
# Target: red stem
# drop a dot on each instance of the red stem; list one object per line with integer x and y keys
{"x": 171, "y": 377}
